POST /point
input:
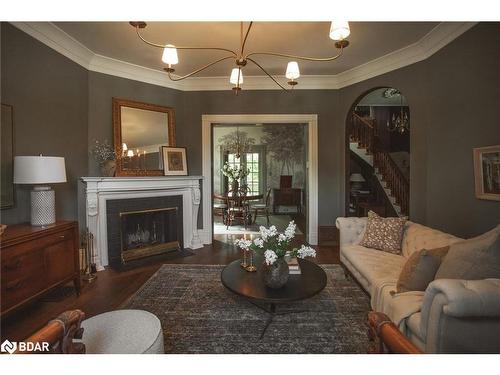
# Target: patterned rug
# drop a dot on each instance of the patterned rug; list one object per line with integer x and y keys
{"x": 199, "y": 315}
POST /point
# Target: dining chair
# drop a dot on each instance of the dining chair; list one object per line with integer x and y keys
{"x": 262, "y": 207}
{"x": 236, "y": 209}
{"x": 220, "y": 208}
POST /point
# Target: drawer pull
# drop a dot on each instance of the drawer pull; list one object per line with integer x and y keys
{"x": 15, "y": 285}
{"x": 13, "y": 266}
{"x": 62, "y": 236}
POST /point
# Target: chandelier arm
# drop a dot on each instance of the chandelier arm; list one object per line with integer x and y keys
{"x": 198, "y": 70}
{"x": 269, "y": 75}
{"x": 163, "y": 46}
{"x": 246, "y": 36}
{"x": 298, "y": 57}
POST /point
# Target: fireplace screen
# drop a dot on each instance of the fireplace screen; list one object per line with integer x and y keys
{"x": 148, "y": 232}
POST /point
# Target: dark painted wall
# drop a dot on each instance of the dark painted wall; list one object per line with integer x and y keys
{"x": 453, "y": 97}
{"x": 49, "y": 95}
{"x": 320, "y": 102}
{"x": 463, "y": 100}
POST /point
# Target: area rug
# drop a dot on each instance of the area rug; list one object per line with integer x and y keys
{"x": 199, "y": 315}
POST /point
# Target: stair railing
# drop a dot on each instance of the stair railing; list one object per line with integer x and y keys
{"x": 396, "y": 181}
{"x": 363, "y": 131}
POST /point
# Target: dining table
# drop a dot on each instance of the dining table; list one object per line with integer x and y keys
{"x": 240, "y": 200}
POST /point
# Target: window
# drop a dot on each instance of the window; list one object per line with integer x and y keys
{"x": 253, "y": 178}
{"x": 254, "y": 162}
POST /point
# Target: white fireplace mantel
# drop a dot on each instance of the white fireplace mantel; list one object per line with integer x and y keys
{"x": 99, "y": 189}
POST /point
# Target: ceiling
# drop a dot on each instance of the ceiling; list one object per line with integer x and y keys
{"x": 377, "y": 98}
{"x": 369, "y": 41}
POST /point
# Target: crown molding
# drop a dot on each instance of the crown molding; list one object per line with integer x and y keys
{"x": 60, "y": 41}
{"x": 433, "y": 41}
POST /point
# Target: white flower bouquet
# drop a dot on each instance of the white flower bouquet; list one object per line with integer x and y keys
{"x": 275, "y": 245}
{"x": 234, "y": 173}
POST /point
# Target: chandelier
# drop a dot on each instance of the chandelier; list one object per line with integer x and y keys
{"x": 339, "y": 31}
{"x": 237, "y": 143}
{"x": 398, "y": 122}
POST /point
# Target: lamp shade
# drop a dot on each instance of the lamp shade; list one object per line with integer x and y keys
{"x": 339, "y": 30}
{"x": 292, "y": 70}
{"x": 39, "y": 170}
{"x": 357, "y": 177}
{"x": 234, "y": 76}
{"x": 170, "y": 55}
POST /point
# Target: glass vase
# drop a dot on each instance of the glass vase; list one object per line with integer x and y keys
{"x": 276, "y": 275}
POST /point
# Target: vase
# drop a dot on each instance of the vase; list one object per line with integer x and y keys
{"x": 235, "y": 186}
{"x": 108, "y": 168}
{"x": 276, "y": 275}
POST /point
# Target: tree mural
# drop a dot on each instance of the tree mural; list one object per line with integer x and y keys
{"x": 236, "y": 141}
{"x": 286, "y": 143}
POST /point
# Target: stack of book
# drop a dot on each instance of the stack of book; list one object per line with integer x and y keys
{"x": 293, "y": 266}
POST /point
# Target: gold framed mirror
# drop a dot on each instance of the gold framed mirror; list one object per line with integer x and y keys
{"x": 140, "y": 130}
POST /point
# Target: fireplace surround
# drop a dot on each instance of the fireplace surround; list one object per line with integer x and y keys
{"x": 99, "y": 190}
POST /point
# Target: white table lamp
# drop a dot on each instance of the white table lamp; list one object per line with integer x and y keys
{"x": 39, "y": 171}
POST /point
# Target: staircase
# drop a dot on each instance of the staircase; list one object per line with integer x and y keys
{"x": 363, "y": 142}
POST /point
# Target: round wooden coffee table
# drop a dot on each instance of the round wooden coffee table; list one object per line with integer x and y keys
{"x": 249, "y": 285}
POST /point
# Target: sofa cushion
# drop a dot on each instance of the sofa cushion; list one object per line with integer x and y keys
{"x": 374, "y": 265}
{"x": 473, "y": 259}
{"x": 417, "y": 237}
{"x": 420, "y": 269}
{"x": 384, "y": 233}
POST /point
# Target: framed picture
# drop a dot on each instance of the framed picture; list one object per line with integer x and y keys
{"x": 487, "y": 172}
{"x": 174, "y": 161}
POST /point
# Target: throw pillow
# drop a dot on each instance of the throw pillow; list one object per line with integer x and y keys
{"x": 384, "y": 233}
{"x": 473, "y": 259}
{"x": 420, "y": 269}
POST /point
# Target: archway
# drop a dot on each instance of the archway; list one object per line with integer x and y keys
{"x": 378, "y": 154}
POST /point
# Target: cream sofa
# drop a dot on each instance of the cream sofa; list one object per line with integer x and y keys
{"x": 451, "y": 316}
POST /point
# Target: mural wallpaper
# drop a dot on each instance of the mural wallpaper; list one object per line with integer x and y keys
{"x": 283, "y": 147}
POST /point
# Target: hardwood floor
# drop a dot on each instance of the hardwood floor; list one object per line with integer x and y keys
{"x": 112, "y": 289}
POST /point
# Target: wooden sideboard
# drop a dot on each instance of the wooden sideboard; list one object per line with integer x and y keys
{"x": 287, "y": 197}
{"x": 35, "y": 260}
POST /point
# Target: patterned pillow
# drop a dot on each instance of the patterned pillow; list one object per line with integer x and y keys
{"x": 384, "y": 233}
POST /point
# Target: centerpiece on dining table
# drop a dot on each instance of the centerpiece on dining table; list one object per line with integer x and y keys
{"x": 235, "y": 174}
{"x": 275, "y": 247}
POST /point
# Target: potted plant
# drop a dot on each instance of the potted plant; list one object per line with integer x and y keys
{"x": 105, "y": 156}
{"x": 235, "y": 175}
{"x": 275, "y": 246}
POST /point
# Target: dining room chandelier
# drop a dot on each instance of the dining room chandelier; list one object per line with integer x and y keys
{"x": 339, "y": 31}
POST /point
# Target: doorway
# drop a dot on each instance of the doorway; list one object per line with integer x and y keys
{"x": 378, "y": 154}
{"x": 267, "y": 169}
{"x": 259, "y": 178}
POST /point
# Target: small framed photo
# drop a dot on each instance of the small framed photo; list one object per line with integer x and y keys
{"x": 487, "y": 172}
{"x": 174, "y": 161}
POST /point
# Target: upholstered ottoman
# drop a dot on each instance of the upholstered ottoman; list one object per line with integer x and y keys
{"x": 123, "y": 332}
